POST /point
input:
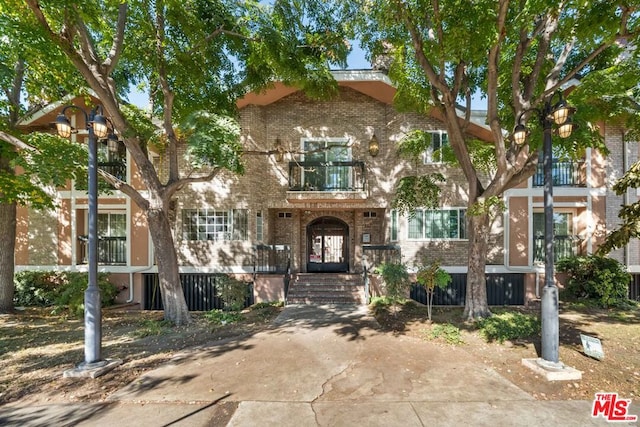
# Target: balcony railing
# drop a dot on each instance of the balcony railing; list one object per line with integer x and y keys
{"x": 564, "y": 174}
{"x": 271, "y": 258}
{"x": 326, "y": 176}
{"x": 563, "y": 247}
{"x": 117, "y": 169}
{"x": 111, "y": 250}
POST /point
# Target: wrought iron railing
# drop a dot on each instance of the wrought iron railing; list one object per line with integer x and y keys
{"x": 111, "y": 250}
{"x": 563, "y": 247}
{"x": 326, "y": 176}
{"x": 271, "y": 258}
{"x": 117, "y": 169}
{"x": 564, "y": 174}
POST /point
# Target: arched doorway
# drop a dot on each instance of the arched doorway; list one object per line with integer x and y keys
{"x": 327, "y": 246}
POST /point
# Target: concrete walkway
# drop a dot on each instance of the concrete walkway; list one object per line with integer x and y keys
{"x": 319, "y": 366}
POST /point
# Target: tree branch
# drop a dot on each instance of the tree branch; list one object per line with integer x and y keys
{"x": 175, "y": 186}
{"x": 125, "y": 188}
{"x": 16, "y": 142}
{"x": 492, "y": 86}
{"x": 118, "y": 41}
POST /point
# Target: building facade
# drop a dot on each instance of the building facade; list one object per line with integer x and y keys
{"x": 316, "y": 198}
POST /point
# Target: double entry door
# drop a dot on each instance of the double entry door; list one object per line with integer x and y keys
{"x": 327, "y": 246}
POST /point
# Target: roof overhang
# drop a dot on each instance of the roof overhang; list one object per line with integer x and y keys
{"x": 374, "y": 84}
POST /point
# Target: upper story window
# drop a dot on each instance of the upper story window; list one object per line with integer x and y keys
{"x": 433, "y": 154}
{"x": 112, "y": 224}
{"x": 448, "y": 223}
{"x": 326, "y": 150}
{"x": 216, "y": 225}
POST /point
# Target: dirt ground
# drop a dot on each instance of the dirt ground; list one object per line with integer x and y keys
{"x": 619, "y": 332}
{"x": 36, "y": 347}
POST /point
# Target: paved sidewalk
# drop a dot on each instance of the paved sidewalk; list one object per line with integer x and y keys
{"x": 319, "y": 366}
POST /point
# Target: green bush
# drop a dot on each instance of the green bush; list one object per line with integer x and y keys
{"x": 450, "y": 333}
{"x": 509, "y": 325}
{"x": 604, "y": 280}
{"x": 59, "y": 289}
{"x": 396, "y": 280}
{"x": 233, "y": 292}
{"x": 220, "y": 317}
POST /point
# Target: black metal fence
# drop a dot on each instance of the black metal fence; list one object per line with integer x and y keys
{"x": 271, "y": 258}
{"x": 634, "y": 287}
{"x": 563, "y": 174}
{"x": 326, "y": 176}
{"x": 564, "y": 246}
{"x": 111, "y": 250}
{"x": 502, "y": 289}
{"x": 200, "y": 291}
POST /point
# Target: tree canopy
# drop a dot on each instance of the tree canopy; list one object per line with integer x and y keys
{"x": 518, "y": 55}
{"x": 195, "y": 58}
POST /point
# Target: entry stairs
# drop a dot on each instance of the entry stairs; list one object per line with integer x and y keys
{"x": 326, "y": 288}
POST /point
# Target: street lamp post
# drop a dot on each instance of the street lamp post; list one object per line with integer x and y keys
{"x": 560, "y": 114}
{"x": 97, "y": 129}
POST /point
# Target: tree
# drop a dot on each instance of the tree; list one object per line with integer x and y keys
{"x": 43, "y": 160}
{"x": 196, "y": 58}
{"x": 517, "y": 55}
{"x": 431, "y": 276}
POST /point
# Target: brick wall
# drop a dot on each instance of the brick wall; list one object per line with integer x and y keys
{"x": 352, "y": 116}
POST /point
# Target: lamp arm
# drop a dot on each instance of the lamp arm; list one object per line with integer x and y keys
{"x": 75, "y": 107}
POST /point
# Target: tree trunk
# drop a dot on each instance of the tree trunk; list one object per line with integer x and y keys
{"x": 175, "y": 305}
{"x": 476, "y": 305}
{"x": 7, "y": 243}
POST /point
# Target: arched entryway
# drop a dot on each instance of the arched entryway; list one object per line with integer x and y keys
{"x": 327, "y": 246}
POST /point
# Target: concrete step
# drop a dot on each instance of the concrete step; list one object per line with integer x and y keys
{"x": 325, "y": 288}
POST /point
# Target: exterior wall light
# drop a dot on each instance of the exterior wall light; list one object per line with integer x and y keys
{"x": 279, "y": 155}
{"x": 374, "y": 146}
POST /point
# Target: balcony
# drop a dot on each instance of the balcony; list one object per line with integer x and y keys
{"x": 564, "y": 174}
{"x": 563, "y": 247}
{"x": 326, "y": 181}
{"x": 111, "y": 250}
{"x": 117, "y": 169}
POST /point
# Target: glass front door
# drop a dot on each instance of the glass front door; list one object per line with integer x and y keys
{"x": 327, "y": 245}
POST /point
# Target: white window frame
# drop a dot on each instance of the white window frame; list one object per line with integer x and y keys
{"x": 461, "y": 225}
{"x": 228, "y": 233}
{"x": 428, "y": 155}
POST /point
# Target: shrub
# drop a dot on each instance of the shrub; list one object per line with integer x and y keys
{"x": 596, "y": 277}
{"x": 396, "y": 280}
{"x": 220, "y": 317}
{"x": 233, "y": 292}
{"x": 450, "y": 333}
{"x": 60, "y": 290}
{"x": 509, "y": 325}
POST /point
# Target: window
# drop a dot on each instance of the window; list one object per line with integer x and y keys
{"x": 438, "y": 224}
{"x": 433, "y": 154}
{"x": 211, "y": 224}
{"x": 284, "y": 214}
{"x": 370, "y": 214}
{"x": 259, "y": 227}
{"x": 565, "y": 244}
{"x": 112, "y": 225}
{"x": 321, "y": 156}
{"x": 394, "y": 225}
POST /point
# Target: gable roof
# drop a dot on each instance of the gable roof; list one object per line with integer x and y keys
{"x": 374, "y": 84}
